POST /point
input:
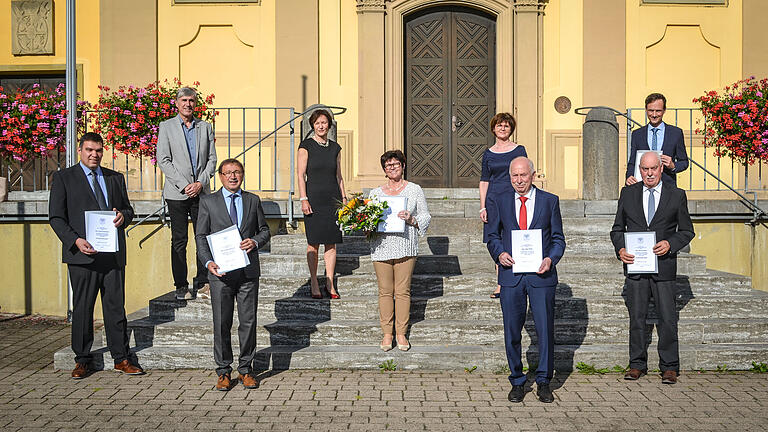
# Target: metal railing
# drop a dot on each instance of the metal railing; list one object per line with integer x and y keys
{"x": 719, "y": 184}
{"x": 727, "y": 172}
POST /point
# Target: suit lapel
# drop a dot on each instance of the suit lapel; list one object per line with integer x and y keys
{"x": 643, "y": 144}
{"x": 666, "y": 195}
{"x": 538, "y": 205}
{"x": 182, "y": 142}
{"x": 198, "y": 140}
{"x": 246, "y": 209}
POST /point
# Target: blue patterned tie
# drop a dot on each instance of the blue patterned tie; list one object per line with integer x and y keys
{"x": 233, "y": 209}
{"x": 651, "y": 206}
{"x": 655, "y": 141}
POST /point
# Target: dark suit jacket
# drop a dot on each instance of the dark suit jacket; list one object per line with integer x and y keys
{"x": 674, "y": 147}
{"x": 213, "y": 216}
{"x": 546, "y": 216}
{"x": 71, "y": 195}
{"x": 671, "y": 222}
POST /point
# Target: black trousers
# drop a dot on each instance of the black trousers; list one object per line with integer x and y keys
{"x": 234, "y": 286}
{"x": 105, "y": 277}
{"x": 178, "y": 211}
{"x": 637, "y": 293}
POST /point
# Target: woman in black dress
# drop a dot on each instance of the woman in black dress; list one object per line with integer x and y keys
{"x": 321, "y": 188}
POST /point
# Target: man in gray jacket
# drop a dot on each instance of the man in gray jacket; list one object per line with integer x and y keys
{"x": 187, "y": 156}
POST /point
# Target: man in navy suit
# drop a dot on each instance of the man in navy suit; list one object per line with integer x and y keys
{"x": 653, "y": 205}
{"x": 75, "y": 190}
{"x": 223, "y": 209}
{"x": 528, "y": 208}
{"x": 658, "y": 135}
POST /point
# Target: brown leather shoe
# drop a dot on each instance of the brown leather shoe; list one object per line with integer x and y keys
{"x": 80, "y": 371}
{"x": 127, "y": 368}
{"x": 633, "y": 374}
{"x": 669, "y": 377}
{"x": 249, "y": 381}
{"x": 224, "y": 383}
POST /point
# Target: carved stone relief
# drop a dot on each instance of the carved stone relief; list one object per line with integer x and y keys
{"x": 32, "y": 27}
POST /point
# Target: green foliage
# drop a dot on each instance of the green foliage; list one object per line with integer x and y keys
{"x": 388, "y": 365}
{"x": 759, "y": 367}
{"x": 589, "y": 369}
{"x": 722, "y": 368}
{"x": 501, "y": 370}
{"x": 470, "y": 369}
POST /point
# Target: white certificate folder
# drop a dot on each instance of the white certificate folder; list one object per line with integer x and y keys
{"x": 392, "y": 223}
{"x": 225, "y": 248}
{"x": 100, "y": 230}
{"x": 526, "y": 251}
{"x": 640, "y": 244}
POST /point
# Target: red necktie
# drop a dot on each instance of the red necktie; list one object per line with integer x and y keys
{"x": 523, "y": 219}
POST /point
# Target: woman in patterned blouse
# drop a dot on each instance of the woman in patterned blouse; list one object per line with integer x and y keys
{"x": 394, "y": 254}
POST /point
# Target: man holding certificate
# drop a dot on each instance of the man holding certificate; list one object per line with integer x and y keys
{"x": 525, "y": 237}
{"x": 666, "y": 140}
{"x": 88, "y": 210}
{"x": 652, "y": 224}
{"x": 231, "y": 228}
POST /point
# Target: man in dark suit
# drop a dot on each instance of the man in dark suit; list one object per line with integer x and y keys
{"x": 187, "y": 156}
{"x": 79, "y": 188}
{"x": 223, "y": 209}
{"x": 658, "y": 135}
{"x": 528, "y": 208}
{"x": 653, "y": 205}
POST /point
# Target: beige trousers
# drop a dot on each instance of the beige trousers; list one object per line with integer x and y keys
{"x": 394, "y": 278}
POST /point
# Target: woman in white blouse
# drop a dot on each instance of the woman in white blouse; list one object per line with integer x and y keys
{"x": 394, "y": 254}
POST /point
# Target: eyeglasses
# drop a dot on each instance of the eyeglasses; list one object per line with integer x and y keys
{"x": 391, "y": 166}
{"x": 229, "y": 173}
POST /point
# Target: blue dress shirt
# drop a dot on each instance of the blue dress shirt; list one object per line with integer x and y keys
{"x": 99, "y": 178}
{"x": 238, "y": 203}
{"x": 659, "y": 136}
{"x": 191, "y": 138}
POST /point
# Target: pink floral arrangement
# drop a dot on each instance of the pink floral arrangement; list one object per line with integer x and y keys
{"x": 129, "y": 118}
{"x": 736, "y": 121}
{"x": 34, "y": 123}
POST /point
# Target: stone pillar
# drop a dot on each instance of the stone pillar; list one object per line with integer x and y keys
{"x": 369, "y": 141}
{"x": 600, "y": 154}
{"x": 529, "y": 82}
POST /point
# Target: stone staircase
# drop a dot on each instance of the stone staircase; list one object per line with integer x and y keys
{"x": 454, "y": 324}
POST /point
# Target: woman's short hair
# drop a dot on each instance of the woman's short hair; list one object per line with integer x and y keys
{"x": 392, "y": 154}
{"x": 316, "y": 114}
{"x": 504, "y": 117}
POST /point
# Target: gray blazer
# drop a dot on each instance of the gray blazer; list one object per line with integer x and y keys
{"x": 173, "y": 157}
{"x": 213, "y": 216}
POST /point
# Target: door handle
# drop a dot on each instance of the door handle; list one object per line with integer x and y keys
{"x": 455, "y": 123}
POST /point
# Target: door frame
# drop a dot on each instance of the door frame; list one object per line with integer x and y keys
{"x": 503, "y": 10}
{"x": 452, "y": 140}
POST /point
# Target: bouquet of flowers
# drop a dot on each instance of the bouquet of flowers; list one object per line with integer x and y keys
{"x": 360, "y": 214}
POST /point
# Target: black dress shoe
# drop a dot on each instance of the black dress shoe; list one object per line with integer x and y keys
{"x": 544, "y": 393}
{"x": 516, "y": 394}
{"x": 181, "y": 293}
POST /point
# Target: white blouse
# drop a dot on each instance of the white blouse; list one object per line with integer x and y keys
{"x": 386, "y": 246}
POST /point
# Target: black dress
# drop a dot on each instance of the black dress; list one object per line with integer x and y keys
{"x": 323, "y": 192}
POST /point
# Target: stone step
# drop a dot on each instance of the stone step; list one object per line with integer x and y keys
{"x": 470, "y": 307}
{"x": 571, "y": 285}
{"x": 296, "y": 265}
{"x": 148, "y": 332}
{"x": 449, "y": 357}
{"x": 455, "y": 244}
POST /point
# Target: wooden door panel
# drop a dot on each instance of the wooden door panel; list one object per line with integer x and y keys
{"x": 450, "y": 68}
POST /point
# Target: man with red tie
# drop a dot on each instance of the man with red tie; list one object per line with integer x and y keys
{"x": 529, "y": 208}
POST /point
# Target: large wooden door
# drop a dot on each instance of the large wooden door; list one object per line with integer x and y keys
{"x": 449, "y": 95}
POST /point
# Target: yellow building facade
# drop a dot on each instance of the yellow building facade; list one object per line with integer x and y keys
{"x": 528, "y": 57}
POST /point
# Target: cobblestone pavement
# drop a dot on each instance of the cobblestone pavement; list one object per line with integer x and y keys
{"x": 35, "y": 396}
